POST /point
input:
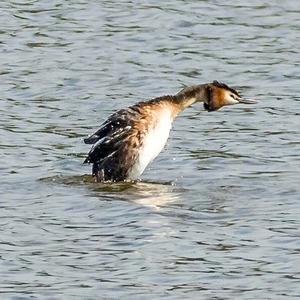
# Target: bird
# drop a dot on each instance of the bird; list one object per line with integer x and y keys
{"x": 131, "y": 138}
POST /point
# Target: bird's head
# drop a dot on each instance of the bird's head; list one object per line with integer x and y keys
{"x": 219, "y": 94}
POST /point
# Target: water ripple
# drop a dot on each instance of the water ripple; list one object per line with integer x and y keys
{"x": 216, "y": 215}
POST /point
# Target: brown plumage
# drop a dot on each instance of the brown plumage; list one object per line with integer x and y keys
{"x": 130, "y": 138}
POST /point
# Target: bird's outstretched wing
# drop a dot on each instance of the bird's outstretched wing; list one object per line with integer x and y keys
{"x": 111, "y": 125}
{"x": 108, "y": 138}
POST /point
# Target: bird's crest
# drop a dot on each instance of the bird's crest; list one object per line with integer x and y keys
{"x": 226, "y": 87}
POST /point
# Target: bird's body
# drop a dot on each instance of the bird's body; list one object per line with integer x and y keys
{"x": 131, "y": 138}
{"x": 151, "y": 143}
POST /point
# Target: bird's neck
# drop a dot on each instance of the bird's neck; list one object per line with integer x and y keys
{"x": 190, "y": 95}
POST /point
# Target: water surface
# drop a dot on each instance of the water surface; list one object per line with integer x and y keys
{"x": 216, "y": 215}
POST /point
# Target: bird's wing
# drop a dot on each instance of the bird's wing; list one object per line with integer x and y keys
{"x": 108, "y": 138}
{"x": 111, "y": 125}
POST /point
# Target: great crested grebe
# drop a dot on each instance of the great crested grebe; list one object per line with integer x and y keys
{"x": 131, "y": 138}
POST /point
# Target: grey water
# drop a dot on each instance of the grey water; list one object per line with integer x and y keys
{"x": 215, "y": 216}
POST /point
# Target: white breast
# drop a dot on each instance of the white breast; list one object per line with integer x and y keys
{"x": 154, "y": 142}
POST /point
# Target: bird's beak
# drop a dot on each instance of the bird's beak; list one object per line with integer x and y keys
{"x": 247, "y": 101}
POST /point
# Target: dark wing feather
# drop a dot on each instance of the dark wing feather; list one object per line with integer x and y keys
{"x": 107, "y": 139}
{"x": 112, "y": 124}
{"x": 107, "y": 145}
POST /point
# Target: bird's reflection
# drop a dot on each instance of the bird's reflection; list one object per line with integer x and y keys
{"x": 146, "y": 193}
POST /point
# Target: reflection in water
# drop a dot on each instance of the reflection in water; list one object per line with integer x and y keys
{"x": 153, "y": 194}
{"x": 156, "y": 197}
